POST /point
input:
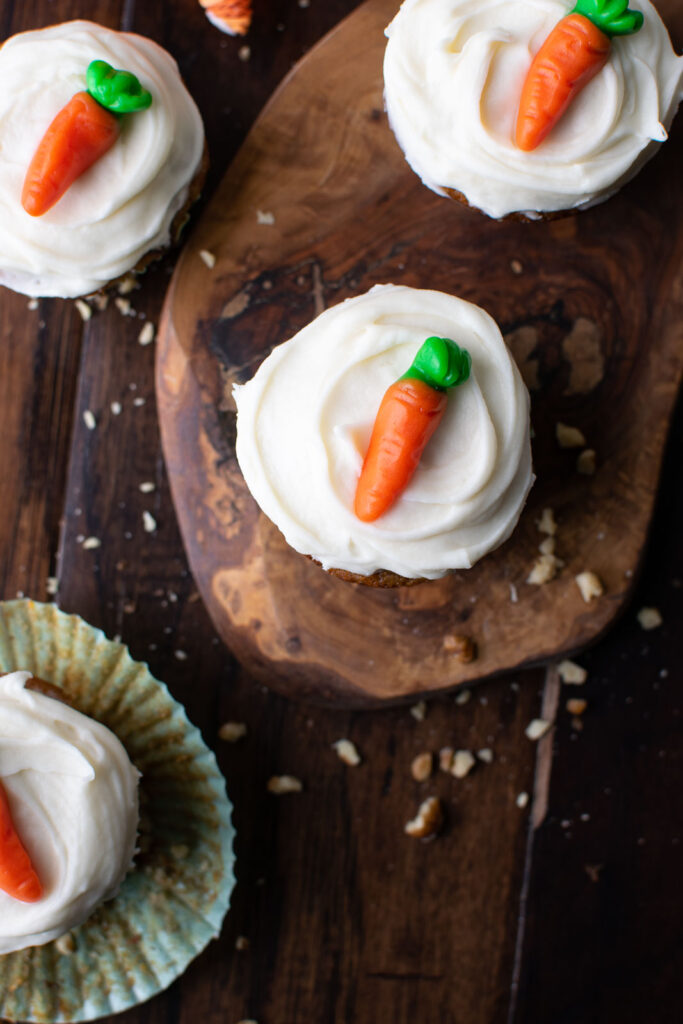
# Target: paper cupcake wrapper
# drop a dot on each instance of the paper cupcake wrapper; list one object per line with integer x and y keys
{"x": 173, "y": 901}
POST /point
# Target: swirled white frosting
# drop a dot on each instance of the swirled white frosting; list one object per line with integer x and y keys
{"x": 305, "y": 419}
{"x": 73, "y": 796}
{"x": 124, "y": 205}
{"x": 453, "y": 74}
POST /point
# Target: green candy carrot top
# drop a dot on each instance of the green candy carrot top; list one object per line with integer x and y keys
{"x": 575, "y": 51}
{"x": 409, "y": 413}
{"x": 82, "y": 132}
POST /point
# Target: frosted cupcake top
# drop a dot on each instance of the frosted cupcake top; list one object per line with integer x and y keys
{"x": 124, "y": 205}
{"x": 305, "y": 419}
{"x": 454, "y": 71}
{"x": 73, "y": 797}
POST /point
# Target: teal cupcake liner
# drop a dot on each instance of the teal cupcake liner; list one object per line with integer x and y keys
{"x": 173, "y": 901}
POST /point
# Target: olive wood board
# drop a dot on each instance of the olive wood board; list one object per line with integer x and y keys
{"x": 319, "y": 205}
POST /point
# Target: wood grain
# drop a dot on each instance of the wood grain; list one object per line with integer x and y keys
{"x": 591, "y": 306}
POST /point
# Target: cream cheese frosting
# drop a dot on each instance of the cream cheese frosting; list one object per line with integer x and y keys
{"x": 73, "y": 796}
{"x": 453, "y": 73}
{"x": 304, "y": 423}
{"x": 121, "y": 208}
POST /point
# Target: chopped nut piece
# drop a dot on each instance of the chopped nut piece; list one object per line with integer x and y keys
{"x": 265, "y": 217}
{"x": 571, "y": 673}
{"x": 514, "y": 597}
{"x": 89, "y": 419}
{"x": 33, "y": 304}
{"x": 66, "y": 944}
{"x": 547, "y": 524}
{"x": 419, "y": 710}
{"x": 544, "y": 570}
{"x": 115, "y": 408}
{"x": 244, "y": 53}
{"x": 485, "y": 755}
{"x": 446, "y": 759}
{"x": 127, "y": 285}
{"x": 463, "y": 648}
{"x": 590, "y": 586}
{"x": 347, "y": 752}
{"x": 84, "y": 309}
{"x": 280, "y": 784}
{"x": 522, "y": 799}
{"x": 649, "y": 618}
{"x": 463, "y": 763}
{"x": 428, "y": 821}
{"x": 124, "y": 307}
{"x": 462, "y": 696}
{"x": 536, "y": 728}
{"x": 516, "y": 267}
{"x": 422, "y": 766}
{"x": 576, "y": 705}
{"x": 547, "y": 546}
{"x": 231, "y": 732}
{"x": 51, "y": 585}
{"x": 180, "y": 655}
{"x": 569, "y": 437}
{"x": 146, "y": 335}
{"x": 100, "y": 301}
{"x": 149, "y": 522}
{"x": 241, "y": 943}
{"x": 208, "y": 258}
{"x": 90, "y": 543}
{"x": 586, "y": 462}
{"x": 147, "y": 486}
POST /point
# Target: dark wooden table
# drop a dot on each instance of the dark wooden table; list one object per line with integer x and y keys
{"x": 567, "y": 911}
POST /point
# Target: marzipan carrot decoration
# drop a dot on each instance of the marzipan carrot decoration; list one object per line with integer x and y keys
{"x": 17, "y": 875}
{"x": 574, "y": 52}
{"x": 409, "y": 413}
{"x": 82, "y": 132}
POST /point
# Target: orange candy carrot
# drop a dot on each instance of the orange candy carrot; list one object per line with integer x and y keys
{"x": 82, "y": 132}
{"x": 409, "y": 413}
{"x": 17, "y": 874}
{"x": 574, "y": 52}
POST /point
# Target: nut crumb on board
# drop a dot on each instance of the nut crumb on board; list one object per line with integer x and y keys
{"x": 428, "y": 821}
{"x": 265, "y": 217}
{"x": 569, "y": 437}
{"x": 84, "y": 310}
{"x": 446, "y": 759}
{"x": 485, "y": 755}
{"x": 146, "y": 335}
{"x": 66, "y": 944}
{"x": 231, "y": 732}
{"x": 537, "y": 728}
{"x": 463, "y": 648}
{"x": 585, "y": 463}
{"x": 649, "y": 618}
{"x": 576, "y": 705}
{"x": 91, "y": 543}
{"x": 522, "y": 800}
{"x": 462, "y": 697}
{"x": 149, "y": 523}
{"x": 419, "y": 711}
{"x": 544, "y": 570}
{"x": 571, "y": 673}
{"x": 347, "y": 752}
{"x": 89, "y": 419}
{"x": 279, "y": 784}
{"x": 547, "y": 524}
{"x": 463, "y": 763}
{"x": 422, "y": 766}
{"x": 590, "y": 585}
{"x": 241, "y": 943}
{"x": 208, "y": 258}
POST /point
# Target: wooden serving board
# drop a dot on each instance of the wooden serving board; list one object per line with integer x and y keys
{"x": 320, "y": 205}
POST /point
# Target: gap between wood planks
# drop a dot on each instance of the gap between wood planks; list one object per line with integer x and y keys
{"x": 539, "y": 809}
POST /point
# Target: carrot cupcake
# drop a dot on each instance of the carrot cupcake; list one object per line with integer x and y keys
{"x": 100, "y": 907}
{"x": 389, "y": 439}
{"x": 103, "y": 152}
{"x": 529, "y": 107}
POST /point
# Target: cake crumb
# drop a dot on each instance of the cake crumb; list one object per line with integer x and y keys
{"x": 207, "y": 257}
{"x": 462, "y": 697}
{"x": 347, "y": 752}
{"x": 547, "y": 524}
{"x": 422, "y": 766}
{"x": 84, "y": 309}
{"x": 242, "y": 943}
{"x": 265, "y": 217}
{"x": 649, "y": 618}
{"x": 571, "y": 673}
{"x": 146, "y": 335}
{"x": 463, "y": 648}
{"x": 419, "y": 711}
{"x": 463, "y": 763}
{"x": 569, "y": 437}
{"x": 428, "y": 821}
{"x": 446, "y": 759}
{"x": 522, "y": 800}
{"x": 115, "y": 408}
{"x": 91, "y": 543}
{"x": 149, "y": 522}
{"x": 89, "y": 419}
{"x": 537, "y": 728}
{"x": 147, "y": 486}
{"x": 585, "y": 463}
{"x": 279, "y": 784}
{"x": 485, "y": 755}
{"x": 66, "y": 944}
{"x": 590, "y": 585}
{"x": 231, "y": 732}
{"x": 543, "y": 570}
{"x": 576, "y": 705}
